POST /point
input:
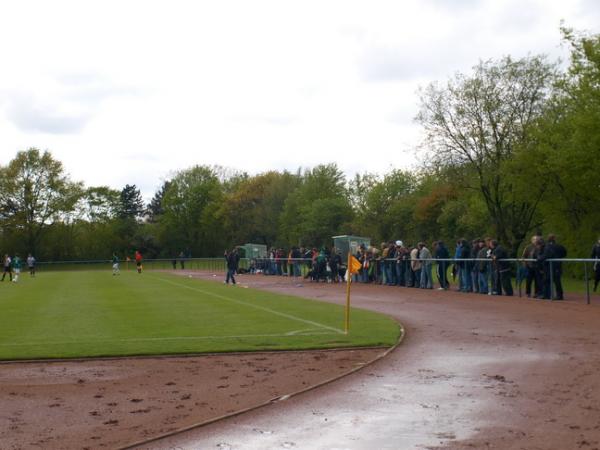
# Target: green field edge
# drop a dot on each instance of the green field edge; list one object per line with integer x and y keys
{"x": 175, "y": 354}
{"x": 186, "y": 354}
{"x": 189, "y": 355}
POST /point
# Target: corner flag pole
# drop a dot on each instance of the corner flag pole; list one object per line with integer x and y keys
{"x": 348, "y": 278}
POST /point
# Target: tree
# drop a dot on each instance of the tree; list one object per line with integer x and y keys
{"x": 251, "y": 211}
{"x": 35, "y": 192}
{"x": 131, "y": 203}
{"x": 99, "y": 204}
{"x": 385, "y": 212}
{"x": 190, "y": 219}
{"x": 317, "y": 209}
{"x": 155, "y": 207}
{"x": 476, "y": 123}
{"x": 569, "y": 146}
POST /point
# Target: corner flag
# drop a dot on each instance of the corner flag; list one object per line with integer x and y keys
{"x": 354, "y": 266}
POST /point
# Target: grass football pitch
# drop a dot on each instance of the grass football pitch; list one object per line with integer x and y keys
{"x": 92, "y": 314}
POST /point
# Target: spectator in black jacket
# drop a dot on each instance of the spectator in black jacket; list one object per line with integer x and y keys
{"x": 335, "y": 261}
{"x": 483, "y": 266}
{"x": 554, "y": 250}
{"x": 473, "y": 265}
{"x": 463, "y": 253}
{"x": 596, "y": 255}
{"x": 502, "y": 268}
{"x": 542, "y": 269}
{"x": 232, "y": 260}
{"x": 441, "y": 252}
{"x": 532, "y": 278}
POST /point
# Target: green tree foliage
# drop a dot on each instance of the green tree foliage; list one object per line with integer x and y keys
{"x": 155, "y": 207}
{"x": 34, "y": 193}
{"x": 317, "y": 209}
{"x": 190, "y": 221}
{"x": 251, "y": 210}
{"x": 386, "y": 205}
{"x": 131, "y": 205}
{"x": 476, "y": 123}
{"x": 99, "y": 204}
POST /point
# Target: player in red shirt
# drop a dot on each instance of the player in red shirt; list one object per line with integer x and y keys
{"x": 138, "y": 261}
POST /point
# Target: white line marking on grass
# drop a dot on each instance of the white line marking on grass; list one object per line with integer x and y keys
{"x": 262, "y": 308}
{"x": 172, "y": 338}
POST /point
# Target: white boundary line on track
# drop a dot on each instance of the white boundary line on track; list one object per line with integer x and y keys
{"x": 262, "y": 308}
{"x": 174, "y": 338}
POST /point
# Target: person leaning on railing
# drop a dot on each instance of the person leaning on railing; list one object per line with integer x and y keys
{"x": 596, "y": 256}
{"x": 532, "y": 279}
{"x": 425, "y": 257}
{"x": 502, "y": 268}
{"x": 473, "y": 265}
{"x": 441, "y": 252}
{"x": 415, "y": 266}
{"x": 483, "y": 266}
{"x": 554, "y": 250}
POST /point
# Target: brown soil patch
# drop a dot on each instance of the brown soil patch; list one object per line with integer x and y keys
{"x": 113, "y": 403}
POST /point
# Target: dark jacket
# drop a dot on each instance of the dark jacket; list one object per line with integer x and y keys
{"x": 482, "y": 254}
{"x": 465, "y": 253}
{"x": 552, "y": 250}
{"x": 530, "y": 252}
{"x": 498, "y": 255}
{"x": 441, "y": 252}
{"x": 232, "y": 261}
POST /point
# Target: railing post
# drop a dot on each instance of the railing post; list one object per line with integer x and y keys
{"x": 519, "y": 277}
{"x": 587, "y": 282}
{"x": 551, "y": 282}
{"x": 490, "y": 277}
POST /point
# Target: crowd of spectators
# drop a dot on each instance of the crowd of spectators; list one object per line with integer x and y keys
{"x": 478, "y": 266}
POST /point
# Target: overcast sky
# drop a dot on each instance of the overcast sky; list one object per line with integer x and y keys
{"x": 132, "y": 91}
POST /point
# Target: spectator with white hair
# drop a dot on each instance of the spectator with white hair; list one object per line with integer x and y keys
{"x": 415, "y": 266}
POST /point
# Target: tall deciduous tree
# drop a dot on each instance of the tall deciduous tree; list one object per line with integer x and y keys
{"x": 476, "y": 123}
{"x": 190, "y": 221}
{"x": 35, "y": 192}
{"x": 251, "y": 211}
{"x": 318, "y": 209}
{"x": 387, "y": 206}
{"x": 569, "y": 146}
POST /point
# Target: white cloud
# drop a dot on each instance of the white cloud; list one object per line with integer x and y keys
{"x": 129, "y": 92}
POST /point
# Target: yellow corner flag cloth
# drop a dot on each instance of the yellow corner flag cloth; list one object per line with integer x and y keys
{"x": 354, "y": 264}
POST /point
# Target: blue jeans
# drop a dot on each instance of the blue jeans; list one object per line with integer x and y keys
{"x": 400, "y": 281}
{"x": 230, "y": 274}
{"x": 483, "y": 281}
{"x": 475, "y": 278}
{"x": 426, "y": 278}
{"x": 464, "y": 275}
{"x": 389, "y": 274}
{"x": 417, "y": 278}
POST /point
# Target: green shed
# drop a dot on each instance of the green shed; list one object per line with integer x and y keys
{"x": 253, "y": 251}
{"x": 347, "y": 243}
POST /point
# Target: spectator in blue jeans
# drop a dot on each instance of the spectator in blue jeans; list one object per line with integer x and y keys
{"x": 483, "y": 265}
{"x": 425, "y": 257}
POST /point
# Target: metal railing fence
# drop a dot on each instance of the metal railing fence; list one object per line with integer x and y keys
{"x": 378, "y": 270}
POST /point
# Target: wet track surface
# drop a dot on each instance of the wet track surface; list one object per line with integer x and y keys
{"x": 473, "y": 372}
